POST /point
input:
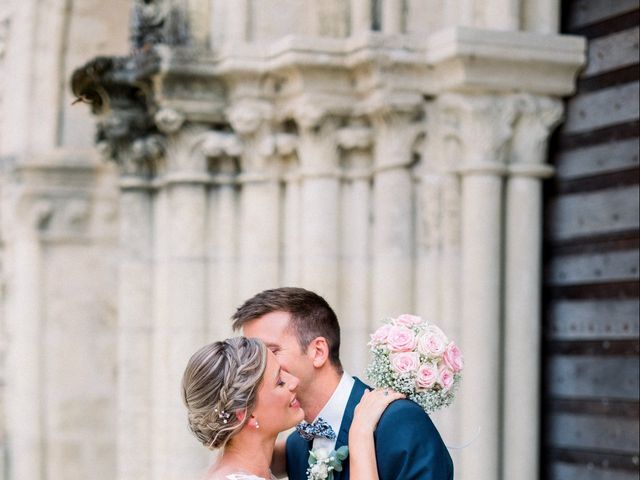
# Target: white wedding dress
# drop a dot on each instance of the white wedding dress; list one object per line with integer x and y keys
{"x": 244, "y": 476}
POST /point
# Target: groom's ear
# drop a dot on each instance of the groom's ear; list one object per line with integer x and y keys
{"x": 318, "y": 351}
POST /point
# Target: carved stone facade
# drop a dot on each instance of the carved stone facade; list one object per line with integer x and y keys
{"x": 388, "y": 159}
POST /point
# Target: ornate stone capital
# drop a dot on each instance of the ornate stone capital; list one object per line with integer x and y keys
{"x": 317, "y": 145}
{"x": 356, "y": 141}
{"x": 537, "y": 117}
{"x": 484, "y": 127}
{"x": 395, "y": 135}
{"x": 355, "y": 138}
{"x": 169, "y": 120}
{"x": 221, "y": 144}
{"x": 247, "y": 116}
{"x": 308, "y": 115}
{"x": 286, "y": 144}
{"x": 158, "y": 21}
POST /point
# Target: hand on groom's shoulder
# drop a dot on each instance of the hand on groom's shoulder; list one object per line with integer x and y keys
{"x": 408, "y": 445}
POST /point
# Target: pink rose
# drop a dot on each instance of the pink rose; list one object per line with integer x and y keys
{"x": 432, "y": 342}
{"x": 427, "y": 375}
{"x": 380, "y": 335}
{"x": 445, "y": 378}
{"x": 401, "y": 339}
{"x": 405, "y": 362}
{"x": 407, "y": 320}
{"x": 453, "y": 358}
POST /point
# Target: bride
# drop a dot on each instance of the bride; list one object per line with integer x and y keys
{"x": 239, "y": 399}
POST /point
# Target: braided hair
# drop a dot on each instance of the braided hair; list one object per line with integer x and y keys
{"x": 220, "y": 379}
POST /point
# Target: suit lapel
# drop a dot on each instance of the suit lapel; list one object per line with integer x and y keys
{"x": 343, "y": 436}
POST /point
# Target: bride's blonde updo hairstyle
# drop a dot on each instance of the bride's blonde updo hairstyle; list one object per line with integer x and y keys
{"x": 220, "y": 379}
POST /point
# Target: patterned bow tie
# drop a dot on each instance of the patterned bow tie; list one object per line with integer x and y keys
{"x": 317, "y": 429}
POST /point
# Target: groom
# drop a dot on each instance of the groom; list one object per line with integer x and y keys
{"x": 302, "y": 330}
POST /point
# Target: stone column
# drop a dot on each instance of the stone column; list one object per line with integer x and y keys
{"x": 361, "y": 20}
{"x": 186, "y": 301}
{"x": 393, "y": 219}
{"x": 501, "y": 14}
{"x": 320, "y": 191}
{"x": 523, "y": 263}
{"x": 239, "y": 22}
{"x": 291, "y": 257}
{"x": 485, "y": 127}
{"x": 355, "y": 314}
{"x": 259, "y": 200}
{"x": 393, "y": 16}
{"x": 437, "y": 284}
{"x": 428, "y": 230}
{"x": 135, "y": 313}
{"x": 24, "y": 420}
{"x": 223, "y": 151}
{"x": 542, "y": 16}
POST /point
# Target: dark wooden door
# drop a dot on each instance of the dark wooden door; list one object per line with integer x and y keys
{"x": 590, "y": 404}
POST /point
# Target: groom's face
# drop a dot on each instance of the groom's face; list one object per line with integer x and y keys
{"x": 273, "y": 329}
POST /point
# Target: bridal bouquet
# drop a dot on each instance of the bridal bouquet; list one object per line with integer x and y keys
{"x": 415, "y": 357}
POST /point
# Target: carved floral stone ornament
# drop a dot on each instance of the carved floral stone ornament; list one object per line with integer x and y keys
{"x": 169, "y": 120}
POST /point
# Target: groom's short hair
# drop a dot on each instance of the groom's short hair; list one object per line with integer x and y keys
{"x": 311, "y": 316}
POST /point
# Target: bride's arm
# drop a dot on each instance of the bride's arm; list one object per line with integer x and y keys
{"x": 362, "y": 452}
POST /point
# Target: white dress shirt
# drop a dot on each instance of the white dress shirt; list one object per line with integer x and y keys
{"x": 333, "y": 411}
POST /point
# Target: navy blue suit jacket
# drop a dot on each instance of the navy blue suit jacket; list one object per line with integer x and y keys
{"x": 408, "y": 446}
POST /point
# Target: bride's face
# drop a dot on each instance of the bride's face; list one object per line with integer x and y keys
{"x": 277, "y": 407}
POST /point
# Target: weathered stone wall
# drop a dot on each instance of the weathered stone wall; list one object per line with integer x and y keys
{"x": 58, "y": 231}
{"x": 381, "y": 153}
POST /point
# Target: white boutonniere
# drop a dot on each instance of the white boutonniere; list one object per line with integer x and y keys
{"x": 322, "y": 463}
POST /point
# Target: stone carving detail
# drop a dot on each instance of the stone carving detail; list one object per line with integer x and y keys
{"x": 537, "y": 118}
{"x": 396, "y": 134}
{"x": 55, "y": 215}
{"x": 169, "y": 120}
{"x": 355, "y": 137}
{"x": 247, "y": 116}
{"x": 119, "y": 90}
{"x": 157, "y": 21}
{"x": 484, "y": 127}
{"x": 286, "y": 144}
{"x": 219, "y": 144}
{"x": 308, "y": 115}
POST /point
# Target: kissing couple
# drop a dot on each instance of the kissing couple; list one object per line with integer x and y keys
{"x": 285, "y": 371}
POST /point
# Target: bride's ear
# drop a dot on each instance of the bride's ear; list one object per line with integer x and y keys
{"x": 252, "y": 421}
{"x": 240, "y": 414}
{"x": 318, "y": 350}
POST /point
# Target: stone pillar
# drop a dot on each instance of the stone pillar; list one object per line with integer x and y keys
{"x": 291, "y": 257}
{"x": 437, "y": 279}
{"x": 223, "y": 151}
{"x": 502, "y": 14}
{"x": 361, "y": 20}
{"x": 24, "y": 416}
{"x": 393, "y": 220}
{"x": 485, "y": 127}
{"x": 393, "y": 12}
{"x": 259, "y": 200}
{"x": 186, "y": 183}
{"x": 523, "y": 266}
{"x": 542, "y": 16}
{"x": 355, "y": 253}
{"x": 320, "y": 191}
{"x": 428, "y": 230}
{"x": 239, "y": 22}
{"x": 135, "y": 321}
